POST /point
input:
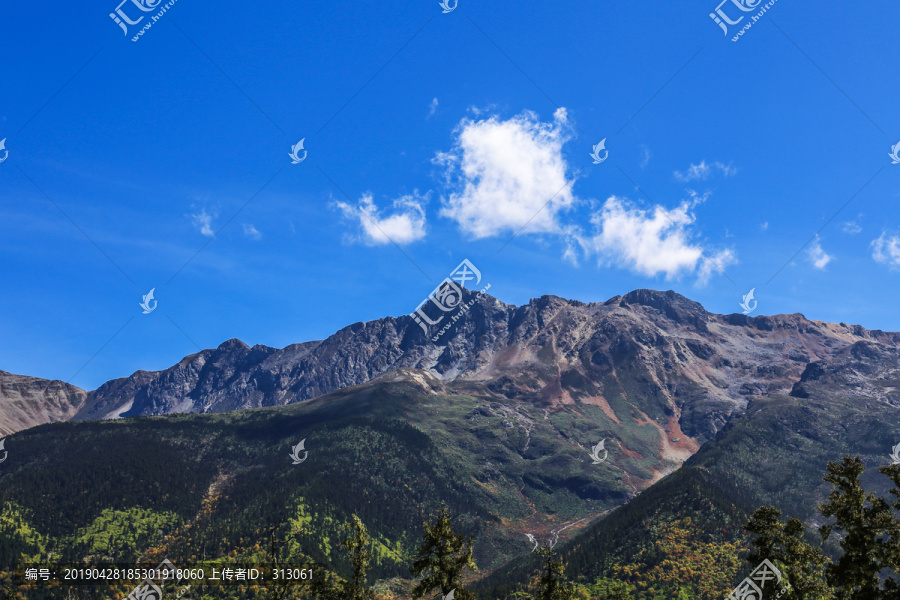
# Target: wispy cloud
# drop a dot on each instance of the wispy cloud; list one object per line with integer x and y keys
{"x": 726, "y": 170}
{"x": 703, "y": 171}
{"x": 645, "y": 156}
{"x": 432, "y": 108}
{"x": 886, "y": 250}
{"x": 405, "y": 225}
{"x": 203, "y": 222}
{"x": 817, "y": 256}
{"x": 853, "y": 227}
{"x": 251, "y": 232}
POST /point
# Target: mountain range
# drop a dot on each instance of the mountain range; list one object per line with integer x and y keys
{"x": 700, "y": 414}
{"x": 698, "y": 367}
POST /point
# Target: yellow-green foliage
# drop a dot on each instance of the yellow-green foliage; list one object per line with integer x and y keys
{"x": 302, "y": 522}
{"x": 14, "y": 524}
{"x": 683, "y": 560}
{"x": 385, "y": 550}
{"x": 124, "y": 534}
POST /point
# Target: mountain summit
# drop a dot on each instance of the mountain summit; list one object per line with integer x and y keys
{"x": 691, "y": 369}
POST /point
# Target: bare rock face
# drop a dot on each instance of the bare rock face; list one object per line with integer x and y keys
{"x": 863, "y": 371}
{"x": 649, "y": 356}
{"x": 29, "y": 401}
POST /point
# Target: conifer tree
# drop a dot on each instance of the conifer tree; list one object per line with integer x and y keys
{"x": 441, "y": 559}
{"x": 892, "y": 547}
{"x": 869, "y": 531}
{"x": 610, "y": 589}
{"x": 802, "y": 564}
{"x": 553, "y": 584}
{"x": 329, "y": 586}
{"x": 864, "y": 522}
{"x": 358, "y": 544}
{"x": 275, "y": 555}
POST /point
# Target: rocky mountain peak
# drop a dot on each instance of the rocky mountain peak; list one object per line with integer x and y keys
{"x": 232, "y": 344}
{"x": 29, "y": 401}
{"x": 672, "y": 305}
{"x": 651, "y": 355}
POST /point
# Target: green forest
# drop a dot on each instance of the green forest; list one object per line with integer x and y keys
{"x": 677, "y": 558}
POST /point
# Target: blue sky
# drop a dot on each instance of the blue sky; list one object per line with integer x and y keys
{"x": 163, "y": 163}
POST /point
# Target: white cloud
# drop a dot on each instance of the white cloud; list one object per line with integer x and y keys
{"x": 703, "y": 171}
{"x": 652, "y": 242}
{"x": 508, "y": 175}
{"x": 817, "y": 256}
{"x": 203, "y": 223}
{"x": 432, "y": 108}
{"x": 251, "y": 232}
{"x": 404, "y": 226}
{"x": 764, "y": 225}
{"x": 886, "y": 250}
